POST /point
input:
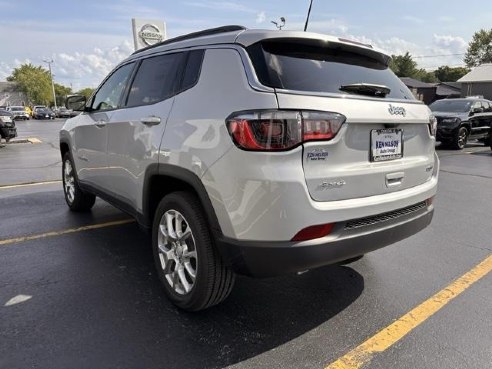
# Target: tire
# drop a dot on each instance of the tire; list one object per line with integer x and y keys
{"x": 76, "y": 199}
{"x": 189, "y": 267}
{"x": 461, "y": 138}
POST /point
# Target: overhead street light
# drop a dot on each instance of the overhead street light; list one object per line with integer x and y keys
{"x": 51, "y": 77}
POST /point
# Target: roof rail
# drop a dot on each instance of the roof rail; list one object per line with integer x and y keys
{"x": 189, "y": 36}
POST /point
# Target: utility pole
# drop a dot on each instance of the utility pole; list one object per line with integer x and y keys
{"x": 51, "y": 77}
{"x": 308, "y": 14}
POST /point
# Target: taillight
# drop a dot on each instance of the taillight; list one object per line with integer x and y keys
{"x": 432, "y": 125}
{"x": 277, "y": 130}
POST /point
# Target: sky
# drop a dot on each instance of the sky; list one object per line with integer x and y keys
{"x": 86, "y": 39}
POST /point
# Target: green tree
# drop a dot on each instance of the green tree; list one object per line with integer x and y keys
{"x": 450, "y": 74}
{"x": 87, "y": 92}
{"x": 34, "y": 81}
{"x": 424, "y": 76}
{"x": 403, "y": 65}
{"x": 479, "y": 49}
{"x": 61, "y": 93}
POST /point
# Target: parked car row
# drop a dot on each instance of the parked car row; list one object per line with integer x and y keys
{"x": 42, "y": 112}
{"x": 38, "y": 112}
{"x": 63, "y": 112}
{"x": 18, "y": 113}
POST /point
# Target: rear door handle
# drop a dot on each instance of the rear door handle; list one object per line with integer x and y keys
{"x": 151, "y": 121}
{"x": 100, "y": 123}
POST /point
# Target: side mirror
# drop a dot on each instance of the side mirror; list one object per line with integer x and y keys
{"x": 76, "y": 102}
{"x": 477, "y": 110}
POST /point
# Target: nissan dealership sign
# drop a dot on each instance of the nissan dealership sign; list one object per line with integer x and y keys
{"x": 147, "y": 32}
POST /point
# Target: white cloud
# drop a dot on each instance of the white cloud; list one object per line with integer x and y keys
{"x": 454, "y": 43}
{"x": 445, "y": 18}
{"x": 222, "y": 6}
{"x": 332, "y": 26}
{"x": 79, "y": 69}
{"x": 260, "y": 17}
{"x": 89, "y": 68}
{"x": 444, "y": 49}
{"x": 413, "y": 19}
{"x": 5, "y": 71}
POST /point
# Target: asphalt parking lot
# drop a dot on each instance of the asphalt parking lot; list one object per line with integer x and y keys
{"x": 79, "y": 290}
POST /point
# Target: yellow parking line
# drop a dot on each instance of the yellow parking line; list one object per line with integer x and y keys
{"x": 387, "y": 337}
{"x": 34, "y": 140}
{"x": 62, "y": 232}
{"x": 18, "y": 185}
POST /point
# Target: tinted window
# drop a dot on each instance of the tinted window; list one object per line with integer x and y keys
{"x": 155, "y": 79}
{"x": 451, "y": 105}
{"x": 108, "y": 96}
{"x": 192, "y": 70}
{"x": 316, "y": 68}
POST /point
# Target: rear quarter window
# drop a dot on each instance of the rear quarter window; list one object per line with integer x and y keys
{"x": 155, "y": 79}
{"x": 192, "y": 69}
{"x": 308, "y": 66}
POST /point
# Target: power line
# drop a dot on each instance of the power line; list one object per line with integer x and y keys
{"x": 436, "y": 55}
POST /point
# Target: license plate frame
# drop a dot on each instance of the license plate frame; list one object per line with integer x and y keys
{"x": 383, "y": 144}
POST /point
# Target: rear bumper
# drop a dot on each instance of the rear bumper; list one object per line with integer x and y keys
{"x": 267, "y": 259}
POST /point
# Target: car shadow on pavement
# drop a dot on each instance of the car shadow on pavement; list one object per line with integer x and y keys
{"x": 96, "y": 302}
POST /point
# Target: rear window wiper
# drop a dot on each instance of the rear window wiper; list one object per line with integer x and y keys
{"x": 366, "y": 89}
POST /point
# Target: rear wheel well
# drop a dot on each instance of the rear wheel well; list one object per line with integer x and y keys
{"x": 159, "y": 187}
{"x": 63, "y": 149}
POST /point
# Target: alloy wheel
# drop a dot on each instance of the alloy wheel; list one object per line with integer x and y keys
{"x": 462, "y": 137}
{"x": 177, "y": 252}
{"x": 69, "y": 181}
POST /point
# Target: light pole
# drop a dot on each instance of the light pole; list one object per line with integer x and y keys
{"x": 51, "y": 77}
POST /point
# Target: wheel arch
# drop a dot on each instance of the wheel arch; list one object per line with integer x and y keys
{"x": 64, "y": 147}
{"x": 465, "y": 124}
{"x": 162, "y": 179}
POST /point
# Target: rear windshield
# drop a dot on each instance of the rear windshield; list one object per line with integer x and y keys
{"x": 451, "y": 106}
{"x": 315, "y": 68}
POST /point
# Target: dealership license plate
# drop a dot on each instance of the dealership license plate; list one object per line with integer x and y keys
{"x": 386, "y": 144}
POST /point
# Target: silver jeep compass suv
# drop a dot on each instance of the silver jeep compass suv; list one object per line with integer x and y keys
{"x": 255, "y": 152}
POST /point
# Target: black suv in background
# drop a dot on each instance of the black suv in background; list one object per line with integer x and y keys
{"x": 461, "y": 119}
{"x": 7, "y": 125}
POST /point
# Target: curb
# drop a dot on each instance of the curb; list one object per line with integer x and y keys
{"x": 30, "y": 140}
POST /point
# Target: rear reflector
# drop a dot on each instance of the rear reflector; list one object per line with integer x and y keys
{"x": 312, "y": 232}
{"x": 278, "y": 130}
{"x": 429, "y": 201}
